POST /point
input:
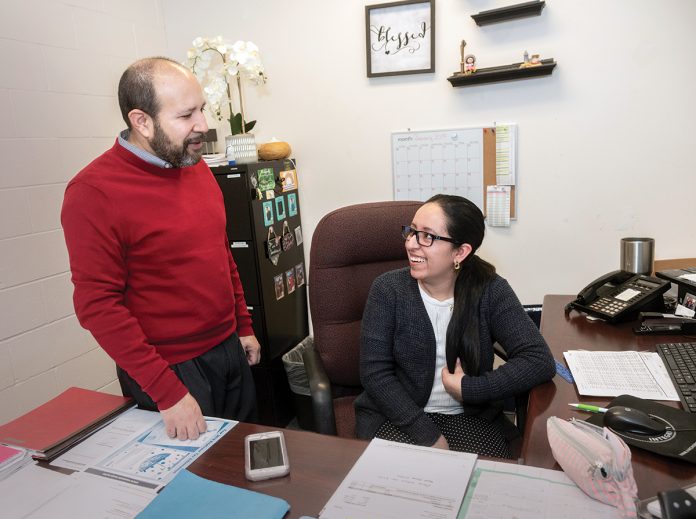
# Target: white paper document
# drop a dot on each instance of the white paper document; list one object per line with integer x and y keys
{"x": 125, "y": 428}
{"x": 505, "y": 154}
{"x": 395, "y": 481}
{"x": 92, "y": 496}
{"x": 612, "y": 373}
{"x": 135, "y": 448}
{"x": 152, "y": 459}
{"x": 505, "y": 490}
{"x": 28, "y": 489}
{"x": 498, "y": 206}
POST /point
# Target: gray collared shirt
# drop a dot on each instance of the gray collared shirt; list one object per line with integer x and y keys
{"x": 141, "y": 153}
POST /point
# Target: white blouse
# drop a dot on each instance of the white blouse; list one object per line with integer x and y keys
{"x": 440, "y": 313}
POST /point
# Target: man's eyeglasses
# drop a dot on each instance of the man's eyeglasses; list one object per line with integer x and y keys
{"x": 424, "y": 239}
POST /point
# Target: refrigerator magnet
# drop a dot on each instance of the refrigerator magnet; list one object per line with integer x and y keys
{"x": 290, "y": 279}
{"x": 280, "y": 208}
{"x": 268, "y": 213}
{"x": 279, "y": 286}
{"x": 288, "y": 179}
{"x": 299, "y": 274}
{"x": 266, "y": 179}
{"x": 292, "y": 204}
{"x": 298, "y": 235}
{"x": 273, "y": 246}
{"x": 288, "y": 240}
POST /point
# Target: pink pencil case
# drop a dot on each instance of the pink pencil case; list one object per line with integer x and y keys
{"x": 597, "y": 460}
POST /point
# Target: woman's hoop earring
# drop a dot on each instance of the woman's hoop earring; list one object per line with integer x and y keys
{"x": 456, "y": 265}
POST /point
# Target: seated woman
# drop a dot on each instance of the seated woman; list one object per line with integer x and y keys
{"x": 426, "y": 354}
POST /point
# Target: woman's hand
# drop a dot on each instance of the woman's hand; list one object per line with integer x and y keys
{"x": 453, "y": 381}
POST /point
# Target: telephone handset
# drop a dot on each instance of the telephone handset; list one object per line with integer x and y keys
{"x": 619, "y": 296}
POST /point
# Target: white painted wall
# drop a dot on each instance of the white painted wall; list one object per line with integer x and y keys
{"x": 61, "y": 64}
{"x": 604, "y": 143}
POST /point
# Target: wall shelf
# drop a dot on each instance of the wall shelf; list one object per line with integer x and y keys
{"x": 510, "y": 12}
{"x": 502, "y": 73}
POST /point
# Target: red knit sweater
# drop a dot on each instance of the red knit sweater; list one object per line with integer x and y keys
{"x": 154, "y": 278}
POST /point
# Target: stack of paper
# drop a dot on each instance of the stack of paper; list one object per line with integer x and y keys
{"x": 62, "y": 422}
{"x": 398, "y": 480}
{"x": 215, "y": 159}
{"x": 11, "y": 460}
{"x": 612, "y": 373}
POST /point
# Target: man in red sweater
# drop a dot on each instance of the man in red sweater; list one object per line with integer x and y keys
{"x": 155, "y": 281}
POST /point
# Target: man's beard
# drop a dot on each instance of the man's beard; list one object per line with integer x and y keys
{"x": 177, "y": 156}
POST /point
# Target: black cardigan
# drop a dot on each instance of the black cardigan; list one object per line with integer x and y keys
{"x": 397, "y": 357}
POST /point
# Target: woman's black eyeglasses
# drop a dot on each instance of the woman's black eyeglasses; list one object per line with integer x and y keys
{"x": 424, "y": 239}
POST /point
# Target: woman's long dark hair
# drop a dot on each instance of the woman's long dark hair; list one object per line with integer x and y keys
{"x": 465, "y": 224}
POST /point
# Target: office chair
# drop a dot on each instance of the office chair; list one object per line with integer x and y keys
{"x": 350, "y": 247}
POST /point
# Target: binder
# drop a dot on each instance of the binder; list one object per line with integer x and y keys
{"x": 60, "y": 423}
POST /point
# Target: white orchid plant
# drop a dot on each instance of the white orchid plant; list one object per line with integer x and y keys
{"x": 215, "y": 62}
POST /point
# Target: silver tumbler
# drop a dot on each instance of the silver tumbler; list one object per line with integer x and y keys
{"x": 637, "y": 255}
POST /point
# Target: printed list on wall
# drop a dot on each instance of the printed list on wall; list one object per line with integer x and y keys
{"x": 444, "y": 161}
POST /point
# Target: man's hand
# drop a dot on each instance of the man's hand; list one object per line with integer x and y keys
{"x": 184, "y": 420}
{"x": 441, "y": 443}
{"x": 453, "y": 381}
{"x": 252, "y": 348}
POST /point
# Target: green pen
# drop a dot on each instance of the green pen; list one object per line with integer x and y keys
{"x": 590, "y": 408}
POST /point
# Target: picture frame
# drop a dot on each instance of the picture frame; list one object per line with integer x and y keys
{"x": 400, "y": 38}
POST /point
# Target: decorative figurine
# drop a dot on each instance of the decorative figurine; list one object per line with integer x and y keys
{"x": 461, "y": 54}
{"x": 469, "y": 64}
{"x": 533, "y": 62}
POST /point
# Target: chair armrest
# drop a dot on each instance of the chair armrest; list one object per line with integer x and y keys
{"x": 521, "y": 399}
{"x": 320, "y": 389}
{"x": 521, "y": 403}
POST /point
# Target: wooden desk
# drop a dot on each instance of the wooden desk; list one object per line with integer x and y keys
{"x": 653, "y": 472}
{"x": 318, "y": 464}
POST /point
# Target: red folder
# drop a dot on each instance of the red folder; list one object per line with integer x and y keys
{"x": 63, "y": 421}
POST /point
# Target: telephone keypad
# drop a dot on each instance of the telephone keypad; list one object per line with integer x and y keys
{"x": 609, "y": 306}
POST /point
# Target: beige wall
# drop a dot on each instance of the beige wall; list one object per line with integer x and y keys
{"x": 61, "y": 64}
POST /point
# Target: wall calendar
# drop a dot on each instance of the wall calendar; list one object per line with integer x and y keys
{"x": 425, "y": 163}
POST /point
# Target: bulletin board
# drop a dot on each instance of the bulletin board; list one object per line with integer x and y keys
{"x": 458, "y": 162}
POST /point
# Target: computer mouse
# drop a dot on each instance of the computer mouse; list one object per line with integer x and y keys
{"x": 629, "y": 420}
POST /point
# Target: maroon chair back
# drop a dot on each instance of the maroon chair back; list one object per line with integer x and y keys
{"x": 350, "y": 247}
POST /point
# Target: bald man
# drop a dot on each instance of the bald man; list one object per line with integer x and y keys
{"x": 155, "y": 281}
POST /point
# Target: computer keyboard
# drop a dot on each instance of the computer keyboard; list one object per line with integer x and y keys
{"x": 680, "y": 361}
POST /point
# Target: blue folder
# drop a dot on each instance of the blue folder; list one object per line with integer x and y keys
{"x": 188, "y": 495}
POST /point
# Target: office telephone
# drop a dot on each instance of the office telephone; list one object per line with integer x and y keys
{"x": 619, "y": 296}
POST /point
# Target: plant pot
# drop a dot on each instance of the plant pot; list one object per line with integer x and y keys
{"x": 241, "y": 148}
